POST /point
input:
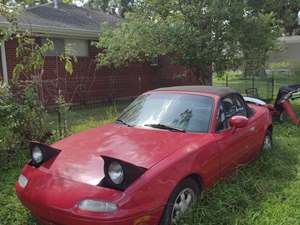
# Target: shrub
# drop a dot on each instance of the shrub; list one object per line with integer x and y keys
{"x": 22, "y": 118}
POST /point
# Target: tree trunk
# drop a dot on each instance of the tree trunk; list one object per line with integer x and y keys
{"x": 203, "y": 75}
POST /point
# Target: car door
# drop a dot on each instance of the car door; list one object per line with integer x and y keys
{"x": 252, "y": 128}
{"x": 233, "y": 143}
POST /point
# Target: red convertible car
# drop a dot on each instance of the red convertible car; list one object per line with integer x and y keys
{"x": 148, "y": 167}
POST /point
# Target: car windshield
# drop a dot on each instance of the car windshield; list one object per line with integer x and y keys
{"x": 174, "y": 112}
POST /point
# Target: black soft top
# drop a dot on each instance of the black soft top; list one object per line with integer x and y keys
{"x": 219, "y": 91}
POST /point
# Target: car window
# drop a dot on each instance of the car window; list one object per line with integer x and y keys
{"x": 181, "y": 111}
{"x": 222, "y": 122}
{"x": 229, "y": 106}
{"x": 240, "y": 106}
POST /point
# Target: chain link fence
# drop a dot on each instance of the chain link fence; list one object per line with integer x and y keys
{"x": 66, "y": 119}
{"x": 265, "y": 87}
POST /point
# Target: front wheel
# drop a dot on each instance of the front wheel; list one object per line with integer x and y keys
{"x": 181, "y": 199}
{"x": 268, "y": 141}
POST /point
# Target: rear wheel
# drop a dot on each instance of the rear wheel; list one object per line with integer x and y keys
{"x": 181, "y": 199}
{"x": 268, "y": 141}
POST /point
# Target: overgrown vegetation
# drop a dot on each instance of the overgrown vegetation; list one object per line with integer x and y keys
{"x": 195, "y": 34}
{"x": 22, "y": 118}
{"x": 285, "y": 11}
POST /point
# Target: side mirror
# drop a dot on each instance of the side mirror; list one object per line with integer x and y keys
{"x": 238, "y": 121}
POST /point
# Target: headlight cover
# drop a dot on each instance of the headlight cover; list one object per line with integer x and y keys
{"x": 115, "y": 172}
{"x": 97, "y": 206}
{"x": 37, "y": 155}
{"x": 41, "y": 153}
{"x": 119, "y": 175}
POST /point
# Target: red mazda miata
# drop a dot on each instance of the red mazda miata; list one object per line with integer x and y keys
{"x": 148, "y": 167}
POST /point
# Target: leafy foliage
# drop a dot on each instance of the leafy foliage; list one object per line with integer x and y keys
{"x": 30, "y": 55}
{"x": 22, "y": 119}
{"x": 68, "y": 62}
{"x": 114, "y": 7}
{"x": 256, "y": 47}
{"x": 21, "y": 113}
{"x": 195, "y": 34}
{"x": 285, "y": 11}
{"x": 28, "y": 3}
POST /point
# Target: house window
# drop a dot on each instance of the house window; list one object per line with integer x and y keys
{"x": 75, "y": 47}
{"x": 59, "y": 46}
{"x": 71, "y": 47}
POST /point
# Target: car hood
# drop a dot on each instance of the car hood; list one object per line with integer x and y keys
{"x": 80, "y": 156}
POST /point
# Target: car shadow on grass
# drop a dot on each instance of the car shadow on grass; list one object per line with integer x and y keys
{"x": 259, "y": 193}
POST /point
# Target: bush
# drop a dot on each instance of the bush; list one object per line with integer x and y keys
{"x": 22, "y": 118}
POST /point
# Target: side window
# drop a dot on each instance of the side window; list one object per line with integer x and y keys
{"x": 230, "y": 106}
{"x": 240, "y": 107}
{"x": 222, "y": 121}
{"x": 226, "y": 110}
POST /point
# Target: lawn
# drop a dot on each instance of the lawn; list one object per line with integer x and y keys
{"x": 266, "y": 192}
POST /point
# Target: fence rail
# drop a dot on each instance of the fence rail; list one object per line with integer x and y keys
{"x": 265, "y": 87}
{"x": 66, "y": 117}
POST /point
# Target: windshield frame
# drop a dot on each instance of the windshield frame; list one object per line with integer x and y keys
{"x": 210, "y": 122}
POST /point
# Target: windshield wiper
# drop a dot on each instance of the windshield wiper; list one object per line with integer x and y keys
{"x": 123, "y": 122}
{"x": 164, "y": 127}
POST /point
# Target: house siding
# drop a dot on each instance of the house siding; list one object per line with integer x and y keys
{"x": 89, "y": 84}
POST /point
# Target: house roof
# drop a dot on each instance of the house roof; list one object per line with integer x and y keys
{"x": 220, "y": 91}
{"x": 66, "y": 20}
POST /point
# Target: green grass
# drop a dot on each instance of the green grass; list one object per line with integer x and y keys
{"x": 267, "y": 192}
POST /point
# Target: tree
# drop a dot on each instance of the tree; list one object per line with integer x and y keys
{"x": 194, "y": 33}
{"x": 114, "y": 7}
{"x": 257, "y": 37}
{"x": 285, "y": 11}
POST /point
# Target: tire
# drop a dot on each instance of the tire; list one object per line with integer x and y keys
{"x": 268, "y": 141}
{"x": 189, "y": 188}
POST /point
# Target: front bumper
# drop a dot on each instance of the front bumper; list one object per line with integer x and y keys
{"x": 53, "y": 201}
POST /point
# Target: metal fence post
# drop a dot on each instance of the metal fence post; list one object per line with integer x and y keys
{"x": 273, "y": 86}
{"x": 226, "y": 79}
{"x": 59, "y": 122}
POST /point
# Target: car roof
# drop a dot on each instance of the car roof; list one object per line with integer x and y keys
{"x": 219, "y": 91}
